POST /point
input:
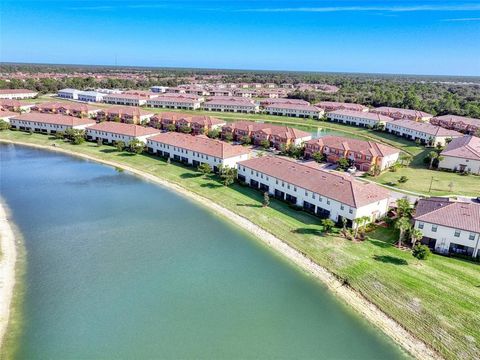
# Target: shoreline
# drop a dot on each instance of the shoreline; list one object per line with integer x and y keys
{"x": 349, "y": 296}
{"x": 7, "y": 271}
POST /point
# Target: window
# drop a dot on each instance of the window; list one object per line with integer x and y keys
{"x": 434, "y": 228}
{"x": 420, "y": 225}
{"x": 457, "y": 233}
{"x": 342, "y": 207}
{"x": 471, "y": 236}
{"x": 328, "y": 202}
{"x": 350, "y": 211}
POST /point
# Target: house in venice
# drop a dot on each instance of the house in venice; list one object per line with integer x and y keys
{"x": 125, "y": 114}
{"x": 462, "y": 154}
{"x": 49, "y": 123}
{"x": 110, "y": 132}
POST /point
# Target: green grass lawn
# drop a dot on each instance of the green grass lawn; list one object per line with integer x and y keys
{"x": 437, "y": 300}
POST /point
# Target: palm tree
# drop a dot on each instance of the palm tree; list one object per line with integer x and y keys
{"x": 404, "y": 209}
{"x": 415, "y": 235}
{"x": 361, "y": 221}
{"x": 402, "y": 224}
{"x": 433, "y": 155}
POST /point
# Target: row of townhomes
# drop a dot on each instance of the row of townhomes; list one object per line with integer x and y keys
{"x": 17, "y": 94}
{"x": 363, "y": 154}
{"x": 226, "y": 99}
{"x": 448, "y": 226}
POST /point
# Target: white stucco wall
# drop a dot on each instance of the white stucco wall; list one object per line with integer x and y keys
{"x": 453, "y": 163}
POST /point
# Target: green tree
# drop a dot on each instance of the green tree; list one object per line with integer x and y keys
{"x": 404, "y": 208}
{"x": 265, "y": 143}
{"x": 228, "y": 137}
{"x": 120, "y": 145}
{"x": 171, "y": 127}
{"x": 403, "y": 225}
{"x": 318, "y": 157}
{"x": 434, "y": 156}
{"x": 205, "y": 169}
{"x": 266, "y": 199}
{"x": 343, "y": 164}
{"x": 185, "y": 129}
{"x": 60, "y": 135}
{"x": 327, "y": 225}
{"x": 75, "y": 136}
{"x": 4, "y": 125}
{"x": 405, "y": 159}
{"x": 228, "y": 175}
{"x": 136, "y": 146}
{"x": 415, "y": 235}
{"x": 421, "y": 252}
{"x": 246, "y": 140}
{"x": 213, "y": 133}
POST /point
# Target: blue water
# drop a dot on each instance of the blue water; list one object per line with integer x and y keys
{"x": 118, "y": 268}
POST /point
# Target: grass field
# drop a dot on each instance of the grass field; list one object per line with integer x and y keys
{"x": 437, "y": 300}
{"x": 419, "y": 175}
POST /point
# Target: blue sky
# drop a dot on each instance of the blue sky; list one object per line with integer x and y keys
{"x": 414, "y": 37}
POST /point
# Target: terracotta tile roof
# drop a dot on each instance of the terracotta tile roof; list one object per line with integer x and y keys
{"x": 179, "y": 96}
{"x": 124, "y": 129}
{"x": 17, "y": 91}
{"x": 178, "y": 99}
{"x": 126, "y": 110}
{"x": 392, "y": 111}
{"x": 359, "y": 146}
{"x": 283, "y": 131}
{"x": 293, "y": 107}
{"x": 124, "y": 96}
{"x": 7, "y": 114}
{"x": 458, "y": 119}
{"x": 465, "y": 147}
{"x": 56, "y": 119}
{"x": 427, "y": 205}
{"x": 426, "y": 128}
{"x": 230, "y": 100}
{"x": 204, "y": 120}
{"x": 457, "y": 215}
{"x": 342, "y": 188}
{"x": 13, "y": 103}
{"x": 334, "y": 105}
{"x": 362, "y": 115}
{"x": 201, "y": 144}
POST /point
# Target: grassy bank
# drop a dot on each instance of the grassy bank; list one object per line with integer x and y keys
{"x": 437, "y": 300}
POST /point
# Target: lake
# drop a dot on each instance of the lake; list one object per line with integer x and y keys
{"x": 119, "y": 268}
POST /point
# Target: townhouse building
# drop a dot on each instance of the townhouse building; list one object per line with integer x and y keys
{"x": 176, "y": 101}
{"x": 78, "y": 109}
{"x": 294, "y": 110}
{"x": 449, "y": 227}
{"x": 142, "y": 93}
{"x": 362, "y": 154}
{"x": 197, "y": 150}
{"x": 17, "y": 94}
{"x": 110, "y": 132}
{"x": 325, "y": 194}
{"x": 231, "y": 104}
{"x": 358, "y": 118}
{"x": 15, "y": 105}
{"x": 462, "y": 154}
{"x": 125, "y": 114}
{"x": 334, "y": 106}
{"x": 159, "y": 89}
{"x": 462, "y": 124}
{"x": 270, "y": 101}
{"x": 6, "y": 115}
{"x": 125, "y": 99}
{"x": 244, "y": 93}
{"x": 90, "y": 96}
{"x": 68, "y": 93}
{"x": 48, "y": 123}
{"x": 404, "y": 114}
{"x": 221, "y": 92}
{"x": 278, "y": 136}
{"x": 426, "y": 133}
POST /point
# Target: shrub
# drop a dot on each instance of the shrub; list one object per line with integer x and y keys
{"x": 4, "y": 125}
{"x": 421, "y": 252}
{"x": 403, "y": 179}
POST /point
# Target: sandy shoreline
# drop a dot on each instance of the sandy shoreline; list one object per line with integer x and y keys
{"x": 372, "y": 313}
{"x": 7, "y": 270}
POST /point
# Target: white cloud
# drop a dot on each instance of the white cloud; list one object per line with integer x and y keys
{"x": 463, "y": 19}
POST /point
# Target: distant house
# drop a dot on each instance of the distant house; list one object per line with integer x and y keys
{"x": 176, "y": 101}
{"x": 142, "y": 93}
{"x": 294, "y": 110}
{"x": 270, "y": 101}
{"x": 196, "y": 150}
{"x": 323, "y": 193}
{"x": 221, "y": 92}
{"x": 200, "y": 124}
{"x": 358, "y": 118}
{"x": 17, "y": 94}
{"x": 244, "y": 93}
{"x": 278, "y": 136}
{"x": 462, "y": 124}
{"x": 158, "y": 89}
{"x": 424, "y": 132}
{"x": 68, "y": 93}
{"x": 48, "y": 123}
{"x": 449, "y": 227}
{"x": 362, "y": 154}
{"x": 125, "y": 99}
{"x": 78, "y": 109}
{"x": 231, "y": 104}
{"x": 125, "y": 114}
{"x": 15, "y": 105}
{"x": 110, "y": 132}
{"x": 462, "y": 154}
{"x": 334, "y": 106}
{"x": 405, "y": 114}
